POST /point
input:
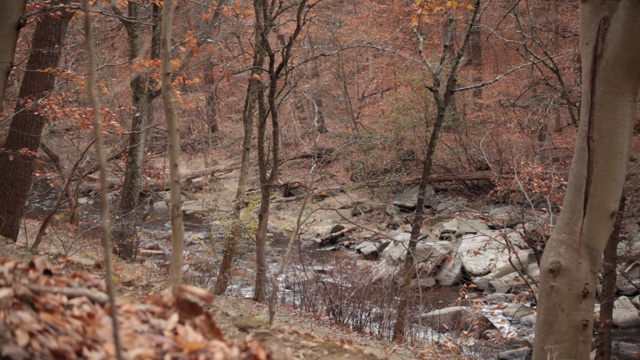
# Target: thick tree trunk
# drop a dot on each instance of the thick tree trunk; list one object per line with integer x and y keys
{"x": 10, "y": 25}
{"x": 610, "y": 48}
{"x": 177, "y": 227}
{"x": 18, "y": 156}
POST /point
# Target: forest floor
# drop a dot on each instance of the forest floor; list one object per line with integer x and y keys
{"x": 294, "y": 335}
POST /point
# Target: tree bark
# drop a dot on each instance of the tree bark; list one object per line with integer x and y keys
{"x": 224, "y": 271}
{"x": 177, "y": 227}
{"x": 102, "y": 163}
{"x": 10, "y": 25}
{"x": 18, "y": 156}
{"x": 610, "y": 51}
{"x": 143, "y": 94}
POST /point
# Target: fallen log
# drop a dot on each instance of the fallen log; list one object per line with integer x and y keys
{"x": 323, "y": 240}
{"x": 158, "y": 185}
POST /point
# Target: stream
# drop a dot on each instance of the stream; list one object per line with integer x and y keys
{"x": 332, "y": 267}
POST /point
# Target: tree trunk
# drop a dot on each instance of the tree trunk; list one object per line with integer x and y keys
{"x": 125, "y": 239}
{"x": 224, "y": 271}
{"x": 475, "y": 60}
{"x": 610, "y": 50}
{"x": 26, "y": 127}
{"x": 408, "y": 270}
{"x": 177, "y": 227}
{"x": 442, "y": 89}
{"x": 102, "y": 163}
{"x": 10, "y": 24}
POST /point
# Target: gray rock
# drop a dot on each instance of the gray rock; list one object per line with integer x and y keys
{"x": 478, "y": 253}
{"x": 368, "y": 249}
{"x": 455, "y": 317}
{"x": 160, "y": 206}
{"x": 407, "y": 200}
{"x": 499, "y": 286}
{"x": 522, "y": 353}
{"x": 504, "y": 217}
{"x": 624, "y": 313}
{"x": 499, "y": 298}
{"x": 628, "y": 283}
{"x": 636, "y": 301}
{"x": 450, "y": 273}
{"x": 423, "y": 283}
{"x": 395, "y": 253}
{"x": 471, "y": 226}
{"x": 520, "y": 314}
{"x": 191, "y": 207}
{"x": 625, "y": 348}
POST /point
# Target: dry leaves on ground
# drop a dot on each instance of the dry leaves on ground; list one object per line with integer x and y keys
{"x": 47, "y": 315}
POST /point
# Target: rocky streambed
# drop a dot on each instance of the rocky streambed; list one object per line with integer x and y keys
{"x": 477, "y": 266}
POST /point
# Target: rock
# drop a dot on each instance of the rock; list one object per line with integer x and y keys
{"x": 520, "y": 314}
{"x": 499, "y": 298}
{"x": 624, "y": 313}
{"x": 498, "y": 286}
{"x": 299, "y": 277}
{"x": 515, "y": 354}
{"x": 394, "y": 255}
{"x": 191, "y": 207}
{"x": 160, "y": 206}
{"x": 451, "y": 318}
{"x": 368, "y": 249}
{"x": 636, "y": 301}
{"x": 407, "y": 200}
{"x": 450, "y": 272}
{"x": 451, "y": 205}
{"x": 628, "y": 282}
{"x": 471, "y": 226}
{"x": 423, "y": 283}
{"x": 625, "y": 348}
{"x": 504, "y": 217}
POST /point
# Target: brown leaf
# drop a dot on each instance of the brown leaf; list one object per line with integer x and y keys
{"x": 198, "y": 292}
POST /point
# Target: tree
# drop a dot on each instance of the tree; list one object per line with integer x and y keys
{"x": 177, "y": 227}
{"x": 610, "y": 52}
{"x": 143, "y": 91}
{"x": 224, "y": 271}
{"x": 442, "y": 88}
{"x": 18, "y": 156}
{"x": 11, "y": 22}
{"x": 267, "y": 13}
{"x": 102, "y": 163}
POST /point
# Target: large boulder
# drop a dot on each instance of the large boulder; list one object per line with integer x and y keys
{"x": 625, "y": 313}
{"x": 408, "y": 198}
{"x": 395, "y": 254}
{"x": 488, "y": 255}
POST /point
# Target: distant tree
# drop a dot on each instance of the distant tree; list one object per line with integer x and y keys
{"x": 268, "y": 14}
{"x": 102, "y": 163}
{"x": 11, "y": 21}
{"x": 20, "y": 149}
{"x": 610, "y": 52}
{"x": 144, "y": 90}
{"x": 177, "y": 226}
{"x": 441, "y": 81}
